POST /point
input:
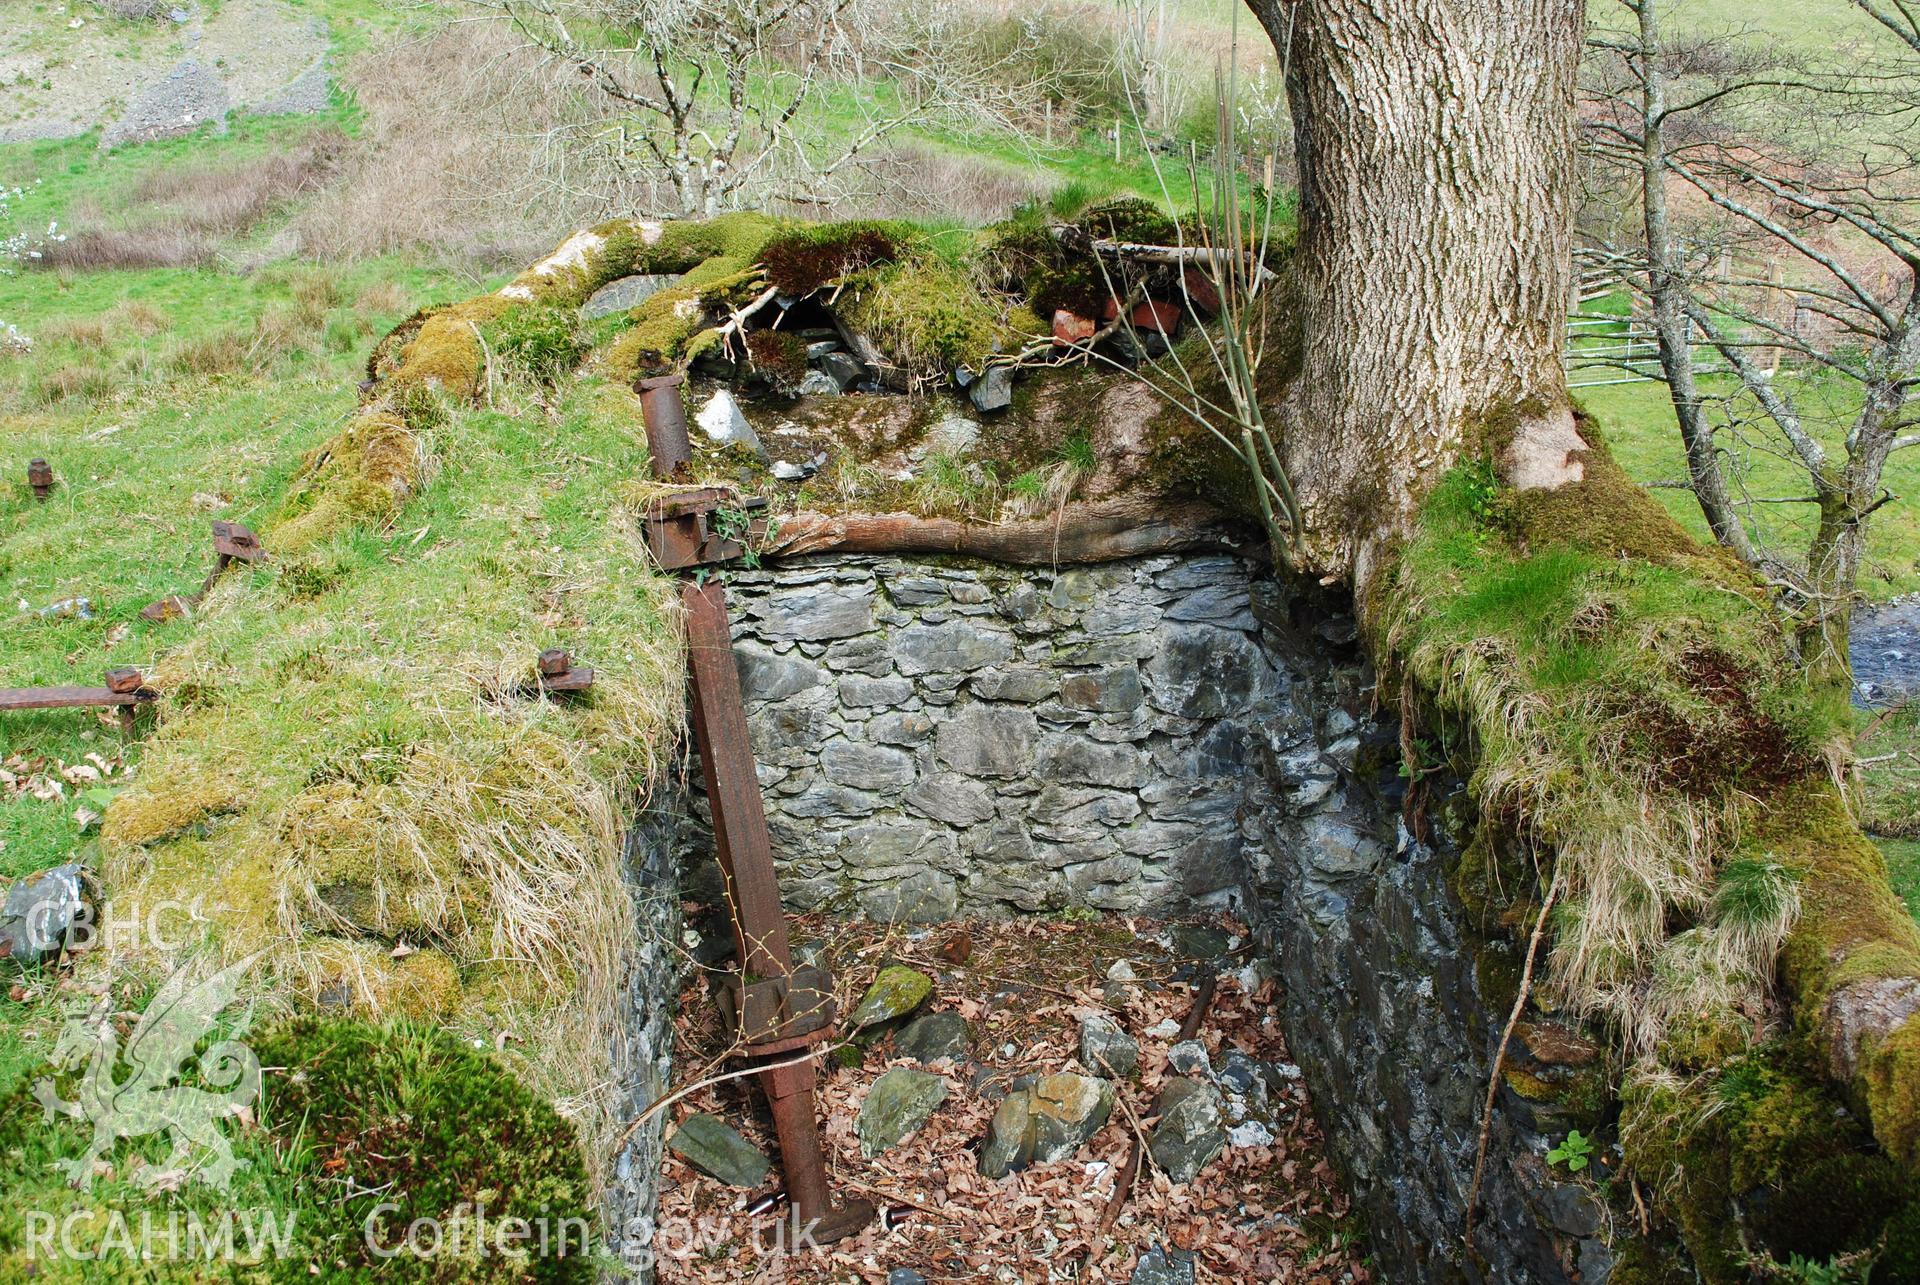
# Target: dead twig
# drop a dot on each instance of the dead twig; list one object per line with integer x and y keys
{"x": 1202, "y": 1000}
{"x": 1500, "y": 1054}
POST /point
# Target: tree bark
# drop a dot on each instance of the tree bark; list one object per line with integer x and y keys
{"x": 1666, "y": 288}
{"x": 1436, "y": 148}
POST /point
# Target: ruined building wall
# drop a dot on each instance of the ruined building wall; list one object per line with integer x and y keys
{"x": 942, "y": 740}
{"x": 1163, "y": 735}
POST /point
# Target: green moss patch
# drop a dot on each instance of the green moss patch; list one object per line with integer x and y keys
{"x": 927, "y": 315}
{"x": 359, "y": 1130}
{"x": 1767, "y": 1151}
{"x": 408, "y": 1123}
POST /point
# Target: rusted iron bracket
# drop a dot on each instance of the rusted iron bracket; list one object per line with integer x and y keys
{"x": 686, "y": 529}
{"x": 775, "y": 1010}
{"x": 232, "y": 542}
{"x": 558, "y": 673}
{"x": 125, "y": 691}
{"x": 235, "y": 542}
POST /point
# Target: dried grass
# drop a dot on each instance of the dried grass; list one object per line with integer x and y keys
{"x": 71, "y": 382}
{"x": 220, "y": 353}
{"x": 139, "y": 320}
{"x": 453, "y": 172}
{"x": 382, "y": 297}
{"x": 180, "y": 216}
{"x": 100, "y": 249}
{"x": 915, "y": 181}
{"x": 81, "y": 332}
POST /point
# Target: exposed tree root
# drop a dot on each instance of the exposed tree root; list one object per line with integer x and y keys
{"x": 1099, "y": 531}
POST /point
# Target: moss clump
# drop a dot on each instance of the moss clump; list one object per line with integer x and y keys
{"x": 1852, "y": 928}
{"x": 1764, "y": 1146}
{"x": 1130, "y": 220}
{"x": 1058, "y": 272}
{"x": 677, "y": 324}
{"x": 1589, "y": 679}
{"x": 540, "y": 342}
{"x": 588, "y": 260}
{"x": 1891, "y": 1078}
{"x": 803, "y": 260}
{"x": 165, "y": 804}
{"x": 686, "y": 245}
{"x": 927, "y": 315}
{"x": 1636, "y": 710}
{"x": 368, "y": 978}
{"x": 425, "y": 1128}
{"x": 779, "y": 357}
{"x": 446, "y": 353}
{"x": 363, "y": 475}
{"x": 384, "y": 358}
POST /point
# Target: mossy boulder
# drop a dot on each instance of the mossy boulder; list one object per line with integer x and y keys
{"x": 899, "y": 1102}
{"x": 895, "y": 992}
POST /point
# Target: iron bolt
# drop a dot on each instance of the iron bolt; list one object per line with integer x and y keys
{"x": 554, "y": 662}
{"x": 40, "y": 478}
{"x": 123, "y": 682}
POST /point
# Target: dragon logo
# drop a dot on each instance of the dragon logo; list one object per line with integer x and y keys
{"x": 150, "y": 1100}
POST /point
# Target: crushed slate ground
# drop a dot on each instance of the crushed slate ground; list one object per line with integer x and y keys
{"x": 1272, "y": 1212}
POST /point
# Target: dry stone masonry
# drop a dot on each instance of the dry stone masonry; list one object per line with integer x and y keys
{"x": 938, "y": 740}
{"x": 1159, "y": 736}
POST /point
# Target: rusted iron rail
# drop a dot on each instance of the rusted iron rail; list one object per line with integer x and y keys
{"x": 774, "y": 1008}
{"x": 125, "y": 691}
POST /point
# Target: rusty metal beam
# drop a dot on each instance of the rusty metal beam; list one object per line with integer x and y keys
{"x": 125, "y": 691}
{"x": 733, "y": 785}
{"x": 775, "y": 1009}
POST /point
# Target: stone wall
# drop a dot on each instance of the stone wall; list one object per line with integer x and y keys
{"x": 1163, "y": 735}
{"x": 1394, "y": 1003}
{"x": 642, "y": 1053}
{"x": 939, "y": 740}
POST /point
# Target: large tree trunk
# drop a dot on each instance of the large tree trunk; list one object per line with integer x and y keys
{"x": 1436, "y": 150}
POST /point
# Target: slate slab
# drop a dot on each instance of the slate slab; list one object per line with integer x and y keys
{"x": 899, "y": 1102}
{"x": 895, "y": 992}
{"x": 934, "y": 1038}
{"x": 708, "y": 1144}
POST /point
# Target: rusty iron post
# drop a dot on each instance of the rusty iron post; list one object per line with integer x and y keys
{"x": 665, "y": 415}
{"x": 778, "y": 1010}
{"x": 40, "y": 478}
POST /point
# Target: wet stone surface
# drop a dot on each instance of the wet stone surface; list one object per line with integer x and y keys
{"x": 1885, "y": 644}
